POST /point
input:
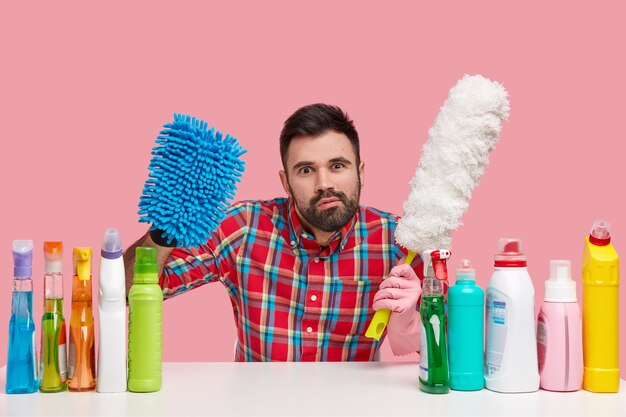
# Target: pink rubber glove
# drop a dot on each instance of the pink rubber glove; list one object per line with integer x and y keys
{"x": 399, "y": 293}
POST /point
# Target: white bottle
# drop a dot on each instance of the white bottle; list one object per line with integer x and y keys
{"x": 112, "y": 310}
{"x": 511, "y": 347}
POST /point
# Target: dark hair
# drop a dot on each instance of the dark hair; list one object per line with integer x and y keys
{"x": 314, "y": 120}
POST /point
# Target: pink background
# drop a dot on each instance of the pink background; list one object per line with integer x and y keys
{"x": 85, "y": 89}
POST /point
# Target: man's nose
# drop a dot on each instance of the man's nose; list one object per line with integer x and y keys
{"x": 323, "y": 181}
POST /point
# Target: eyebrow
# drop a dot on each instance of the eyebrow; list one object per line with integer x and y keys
{"x": 332, "y": 161}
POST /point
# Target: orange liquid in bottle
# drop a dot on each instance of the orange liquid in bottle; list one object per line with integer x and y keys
{"x": 82, "y": 364}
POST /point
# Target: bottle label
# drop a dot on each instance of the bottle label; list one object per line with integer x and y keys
{"x": 423, "y": 355}
{"x": 71, "y": 360}
{"x": 63, "y": 353}
{"x": 496, "y": 333}
{"x": 542, "y": 340}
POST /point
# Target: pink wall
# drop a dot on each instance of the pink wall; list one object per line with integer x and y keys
{"x": 85, "y": 89}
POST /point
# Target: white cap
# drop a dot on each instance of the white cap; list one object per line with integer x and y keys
{"x": 465, "y": 272}
{"x": 560, "y": 287}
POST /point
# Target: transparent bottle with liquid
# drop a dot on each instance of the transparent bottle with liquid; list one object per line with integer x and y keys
{"x": 82, "y": 364}
{"x": 434, "y": 376}
{"x": 21, "y": 377}
{"x": 53, "y": 361}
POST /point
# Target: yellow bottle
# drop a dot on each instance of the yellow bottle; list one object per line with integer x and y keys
{"x": 600, "y": 311}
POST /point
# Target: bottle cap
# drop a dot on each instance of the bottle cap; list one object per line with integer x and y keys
{"x": 111, "y": 244}
{"x": 560, "y": 287}
{"x": 600, "y": 233}
{"x": 53, "y": 256}
{"x": 22, "y": 259}
{"x": 82, "y": 263}
{"x": 510, "y": 253}
{"x": 146, "y": 268}
{"x": 465, "y": 272}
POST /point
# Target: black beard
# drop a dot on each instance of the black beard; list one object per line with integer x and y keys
{"x": 331, "y": 219}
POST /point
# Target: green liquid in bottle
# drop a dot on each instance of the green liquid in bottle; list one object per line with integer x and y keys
{"x": 52, "y": 336}
{"x": 435, "y": 378}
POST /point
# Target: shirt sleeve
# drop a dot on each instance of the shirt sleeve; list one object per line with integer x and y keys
{"x": 186, "y": 269}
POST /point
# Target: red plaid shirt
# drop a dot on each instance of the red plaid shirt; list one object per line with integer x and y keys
{"x": 293, "y": 300}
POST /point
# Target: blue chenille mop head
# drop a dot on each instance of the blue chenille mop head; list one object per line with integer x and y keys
{"x": 193, "y": 173}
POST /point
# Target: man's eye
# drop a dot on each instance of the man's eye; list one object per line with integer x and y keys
{"x": 338, "y": 165}
{"x": 305, "y": 170}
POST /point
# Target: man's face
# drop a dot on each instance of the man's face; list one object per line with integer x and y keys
{"x": 323, "y": 179}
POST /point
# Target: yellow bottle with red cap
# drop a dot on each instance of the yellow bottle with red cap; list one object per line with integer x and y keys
{"x": 600, "y": 311}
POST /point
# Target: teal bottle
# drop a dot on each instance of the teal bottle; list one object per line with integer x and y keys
{"x": 466, "y": 330}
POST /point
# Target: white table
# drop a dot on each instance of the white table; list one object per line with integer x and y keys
{"x": 306, "y": 389}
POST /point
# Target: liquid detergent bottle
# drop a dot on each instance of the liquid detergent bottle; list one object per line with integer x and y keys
{"x": 600, "y": 311}
{"x": 434, "y": 377}
{"x": 466, "y": 331}
{"x": 82, "y": 364}
{"x": 511, "y": 348}
{"x": 112, "y": 314}
{"x": 21, "y": 377}
{"x": 53, "y": 362}
{"x": 559, "y": 332}
{"x": 145, "y": 302}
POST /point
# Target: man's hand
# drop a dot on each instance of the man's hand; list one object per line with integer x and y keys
{"x": 399, "y": 293}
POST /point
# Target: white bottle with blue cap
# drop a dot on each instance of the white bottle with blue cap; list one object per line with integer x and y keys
{"x": 112, "y": 310}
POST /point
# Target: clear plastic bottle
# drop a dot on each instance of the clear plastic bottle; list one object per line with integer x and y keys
{"x": 511, "y": 349}
{"x": 21, "y": 375}
{"x": 53, "y": 361}
{"x": 82, "y": 364}
{"x": 434, "y": 376}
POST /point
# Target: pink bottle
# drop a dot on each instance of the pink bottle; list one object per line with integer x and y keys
{"x": 559, "y": 332}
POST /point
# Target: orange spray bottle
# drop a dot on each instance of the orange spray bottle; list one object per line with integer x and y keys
{"x": 82, "y": 364}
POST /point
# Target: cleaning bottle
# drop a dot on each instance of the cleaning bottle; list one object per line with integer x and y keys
{"x": 511, "y": 348}
{"x": 559, "y": 332}
{"x": 53, "y": 361}
{"x": 600, "y": 311}
{"x": 434, "y": 377}
{"x": 82, "y": 365}
{"x": 466, "y": 330}
{"x": 112, "y": 314}
{"x": 21, "y": 377}
{"x": 145, "y": 302}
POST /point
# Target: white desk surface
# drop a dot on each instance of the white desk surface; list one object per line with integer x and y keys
{"x": 305, "y": 389}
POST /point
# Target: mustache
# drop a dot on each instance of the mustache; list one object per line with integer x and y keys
{"x": 328, "y": 194}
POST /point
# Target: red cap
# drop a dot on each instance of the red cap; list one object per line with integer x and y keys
{"x": 510, "y": 253}
{"x": 600, "y": 233}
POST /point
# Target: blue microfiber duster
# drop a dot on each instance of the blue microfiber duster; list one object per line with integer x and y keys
{"x": 193, "y": 173}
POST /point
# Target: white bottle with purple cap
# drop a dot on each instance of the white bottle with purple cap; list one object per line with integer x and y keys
{"x": 112, "y": 310}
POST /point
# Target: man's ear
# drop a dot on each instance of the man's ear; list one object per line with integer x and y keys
{"x": 362, "y": 173}
{"x": 284, "y": 181}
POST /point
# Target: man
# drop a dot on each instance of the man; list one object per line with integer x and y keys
{"x": 305, "y": 273}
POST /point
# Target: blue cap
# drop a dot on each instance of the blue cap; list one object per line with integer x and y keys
{"x": 22, "y": 259}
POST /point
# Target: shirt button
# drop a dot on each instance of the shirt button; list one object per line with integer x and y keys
{"x": 309, "y": 329}
{"x": 293, "y": 242}
{"x": 314, "y": 297}
{"x": 317, "y": 260}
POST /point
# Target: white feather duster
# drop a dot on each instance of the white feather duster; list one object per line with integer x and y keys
{"x": 453, "y": 159}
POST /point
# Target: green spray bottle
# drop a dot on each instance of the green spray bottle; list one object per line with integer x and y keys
{"x": 145, "y": 338}
{"x": 434, "y": 375}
